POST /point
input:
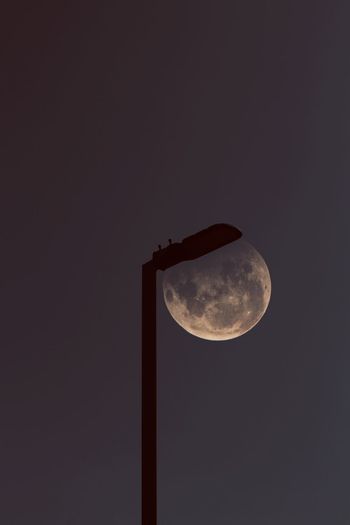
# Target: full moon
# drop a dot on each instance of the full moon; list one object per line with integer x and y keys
{"x": 219, "y": 296}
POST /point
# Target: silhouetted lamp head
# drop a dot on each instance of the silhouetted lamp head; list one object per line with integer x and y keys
{"x": 216, "y": 285}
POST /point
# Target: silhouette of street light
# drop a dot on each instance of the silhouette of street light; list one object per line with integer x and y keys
{"x": 190, "y": 248}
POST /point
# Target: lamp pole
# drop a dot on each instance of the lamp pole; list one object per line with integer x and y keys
{"x": 190, "y": 248}
{"x": 149, "y": 395}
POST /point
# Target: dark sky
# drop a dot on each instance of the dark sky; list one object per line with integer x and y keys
{"x": 124, "y": 124}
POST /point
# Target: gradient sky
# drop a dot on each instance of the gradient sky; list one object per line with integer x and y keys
{"x": 124, "y": 124}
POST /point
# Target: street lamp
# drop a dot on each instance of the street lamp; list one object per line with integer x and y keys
{"x": 190, "y": 248}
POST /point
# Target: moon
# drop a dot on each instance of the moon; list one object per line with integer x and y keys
{"x": 219, "y": 296}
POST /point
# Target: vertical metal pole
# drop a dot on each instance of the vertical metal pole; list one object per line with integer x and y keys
{"x": 149, "y": 395}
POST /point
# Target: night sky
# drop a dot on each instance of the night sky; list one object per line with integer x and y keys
{"x": 124, "y": 124}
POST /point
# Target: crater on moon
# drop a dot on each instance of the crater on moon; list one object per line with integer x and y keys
{"x": 221, "y": 295}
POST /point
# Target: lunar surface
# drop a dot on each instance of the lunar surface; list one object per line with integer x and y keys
{"x": 219, "y": 296}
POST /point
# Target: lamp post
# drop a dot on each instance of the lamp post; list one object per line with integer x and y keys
{"x": 190, "y": 248}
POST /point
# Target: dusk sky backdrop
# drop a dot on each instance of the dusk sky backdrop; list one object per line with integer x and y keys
{"x": 124, "y": 124}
